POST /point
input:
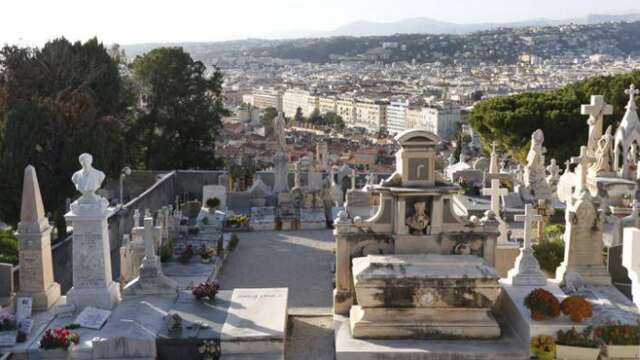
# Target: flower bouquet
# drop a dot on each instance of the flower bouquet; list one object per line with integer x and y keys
{"x": 59, "y": 338}
{"x": 206, "y": 254}
{"x": 186, "y": 255}
{"x": 543, "y": 305}
{"x": 206, "y": 290}
{"x": 619, "y": 341}
{"x": 577, "y": 308}
{"x": 210, "y": 349}
{"x": 574, "y": 345}
{"x": 543, "y": 347}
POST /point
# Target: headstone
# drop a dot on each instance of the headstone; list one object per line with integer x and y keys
{"x": 92, "y": 280}
{"x": 495, "y": 191}
{"x": 526, "y": 271}
{"x": 24, "y": 308}
{"x": 214, "y": 191}
{"x": 34, "y": 235}
{"x": 583, "y": 242}
{"x": 151, "y": 280}
{"x": 92, "y": 318}
{"x": 631, "y": 260}
{"x": 255, "y": 314}
{"x": 6, "y": 284}
{"x": 133, "y": 341}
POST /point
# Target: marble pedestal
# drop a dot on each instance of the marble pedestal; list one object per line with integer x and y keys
{"x": 424, "y": 296}
{"x": 93, "y": 284}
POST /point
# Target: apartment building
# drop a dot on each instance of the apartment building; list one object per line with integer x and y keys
{"x": 298, "y": 98}
{"x": 346, "y": 108}
{"x": 371, "y": 115}
{"x": 327, "y": 104}
{"x": 264, "y": 98}
{"x": 440, "y": 118}
{"x": 397, "y": 116}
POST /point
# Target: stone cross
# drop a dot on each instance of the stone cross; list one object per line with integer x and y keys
{"x": 545, "y": 212}
{"x": 529, "y": 218}
{"x": 596, "y": 111}
{"x": 632, "y": 92}
{"x": 149, "y": 238}
{"x": 554, "y": 170}
{"x": 493, "y": 163}
{"x": 567, "y": 167}
{"x": 495, "y": 191}
{"x": 353, "y": 179}
{"x": 584, "y": 161}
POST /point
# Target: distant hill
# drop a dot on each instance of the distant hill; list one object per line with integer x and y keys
{"x": 423, "y": 25}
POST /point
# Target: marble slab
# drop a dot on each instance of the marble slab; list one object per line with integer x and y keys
{"x": 349, "y": 348}
{"x": 256, "y": 321}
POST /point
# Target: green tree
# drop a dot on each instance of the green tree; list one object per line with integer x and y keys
{"x": 56, "y": 103}
{"x": 316, "y": 118}
{"x": 268, "y": 118}
{"x": 299, "y": 117}
{"x": 334, "y": 120}
{"x": 184, "y": 110}
{"x": 8, "y": 247}
{"x": 510, "y": 120}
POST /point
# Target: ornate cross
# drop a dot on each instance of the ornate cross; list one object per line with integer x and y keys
{"x": 542, "y": 210}
{"x": 584, "y": 161}
{"x": 495, "y": 191}
{"x": 596, "y": 111}
{"x": 529, "y": 218}
{"x": 632, "y": 92}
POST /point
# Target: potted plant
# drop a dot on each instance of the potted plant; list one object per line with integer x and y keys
{"x": 59, "y": 338}
{"x": 167, "y": 251}
{"x": 577, "y": 308}
{"x": 543, "y": 305}
{"x": 210, "y": 349}
{"x": 205, "y": 221}
{"x": 543, "y": 347}
{"x": 619, "y": 341}
{"x": 207, "y": 289}
{"x": 206, "y": 254}
{"x": 8, "y": 328}
{"x": 186, "y": 255}
{"x": 212, "y": 204}
{"x": 574, "y": 345}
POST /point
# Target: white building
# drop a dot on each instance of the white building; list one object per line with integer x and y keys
{"x": 371, "y": 115}
{"x": 264, "y": 98}
{"x": 440, "y": 118}
{"x": 297, "y": 98}
{"x": 397, "y": 116}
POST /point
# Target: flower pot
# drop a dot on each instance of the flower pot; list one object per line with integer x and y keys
{"x": 622, "y": 351}
{"x": 564, "y": 352}
{"x": 8, "y": 338}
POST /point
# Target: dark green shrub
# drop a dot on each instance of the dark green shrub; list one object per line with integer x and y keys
{"x": 8, "y": 247}
{"x": 550, "y": 254}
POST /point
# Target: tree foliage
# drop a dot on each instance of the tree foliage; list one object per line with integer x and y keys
{"x": 183, "y": 113}
{"x": 56, "y": 103}
{"x": 510, "y": 120}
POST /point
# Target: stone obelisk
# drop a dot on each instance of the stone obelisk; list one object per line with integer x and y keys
{"x": 93, "y": 284}
{"x": 34, "y": 235}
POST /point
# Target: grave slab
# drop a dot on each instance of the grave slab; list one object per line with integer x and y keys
{"x": 256, "y": 321}
{"x": 349, "y": 348}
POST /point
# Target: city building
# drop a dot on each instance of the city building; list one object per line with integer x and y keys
{"x": 397, "y": 116}
{"x": 263, "y": 98}
{"x": 440, "y": 118}
{"x": 298, "y": 98}
{"x": 327, "y": 104}
{"x": 346, "y": 108}
{"x": 371, "y": 115}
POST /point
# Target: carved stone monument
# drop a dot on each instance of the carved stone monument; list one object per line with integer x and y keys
{"x": 93, "y": 284}
{"x": 151, "y": 280}
{"x": 534, "y": 173}
{"x": 526, "y": 271}
{"x": 583, "y": 242}
{"x": 34, "y": 234}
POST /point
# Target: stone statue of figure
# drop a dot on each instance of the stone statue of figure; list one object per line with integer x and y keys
{"x": 419, "y": 221}
{"x": 534, "y": 172}
{"x": 87, "y": 180}
{"x": 278, "y": 130}
{"x": 604, "y": 153}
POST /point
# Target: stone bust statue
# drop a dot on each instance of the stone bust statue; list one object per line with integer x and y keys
{"x": 87, "y": 180}
{"x": 419, "y": 222}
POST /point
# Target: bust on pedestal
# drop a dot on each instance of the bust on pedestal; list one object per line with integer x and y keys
{"x": 93, "y": 284}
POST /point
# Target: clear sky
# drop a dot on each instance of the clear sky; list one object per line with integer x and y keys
{"x": 31, "y": 22}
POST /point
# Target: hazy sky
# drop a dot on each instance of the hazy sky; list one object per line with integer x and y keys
{"x": 133, "y": 21}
